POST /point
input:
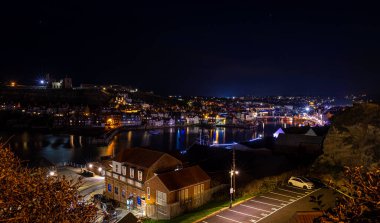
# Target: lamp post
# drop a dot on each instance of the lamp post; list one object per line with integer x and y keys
{"x": 232, "y": 189}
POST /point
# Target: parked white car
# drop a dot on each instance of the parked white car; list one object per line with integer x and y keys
{"x": 301, "y": 182}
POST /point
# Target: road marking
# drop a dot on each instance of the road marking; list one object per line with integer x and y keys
{"x": 254, "y": 208}
{"x": 299, "y": 188}
{"x": 243, "y": 213}
{"x": 282, "y": 194}
{"x": 220, "y": 216}
{"x": 274, "y": 199}
{"x": 292, "y": 191}
{"x": 288, "y": 204}
{"x": 265, "y": 203}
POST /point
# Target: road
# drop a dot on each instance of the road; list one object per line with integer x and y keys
{"x": 278, "y": 205}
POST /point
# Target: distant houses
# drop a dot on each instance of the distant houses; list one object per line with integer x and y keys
{"x": 155, "y": 183}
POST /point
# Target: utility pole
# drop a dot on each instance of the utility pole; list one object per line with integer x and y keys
{"x": 234, "y": 172}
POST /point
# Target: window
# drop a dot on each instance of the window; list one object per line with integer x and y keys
{"x": 148, "y": 192}
{"x": 132, "y": 172}
{"x": 160, "y": 198}
{"x": 109, "y": 188}
{"x": 124, "y": 170}
{"x": 186, "y": 194}
{"x": 139, "y": 175}
{"x": 182, "y": 195}
{"x": 116, "y": 190}
{"x": 202, "y": 188}
{"x": 116, "y": 168}
{"x": 123, "y": 193}
{"x": 196, "y": 188}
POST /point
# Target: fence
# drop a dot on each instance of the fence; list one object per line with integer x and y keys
{"x": 71, "y": 164}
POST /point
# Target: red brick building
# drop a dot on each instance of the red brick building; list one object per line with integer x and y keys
{"x": 155, "y": 183}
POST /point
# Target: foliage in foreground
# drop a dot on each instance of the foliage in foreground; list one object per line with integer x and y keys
{"x": 29, "y": 195}
{"x": 361, "y": 197}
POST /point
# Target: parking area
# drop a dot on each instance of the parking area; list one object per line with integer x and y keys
{"x": 260, "y": 208}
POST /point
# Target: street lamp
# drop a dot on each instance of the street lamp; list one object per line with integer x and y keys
{"x": 90, "y": 165}
{"x": 232, "y": 189}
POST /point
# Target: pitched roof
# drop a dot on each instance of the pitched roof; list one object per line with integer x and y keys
{"x": 139, "y": 156}
{"x": 296, "y": 140}
{"x": 318, "y": 130}
{"x": 175, "y": 180}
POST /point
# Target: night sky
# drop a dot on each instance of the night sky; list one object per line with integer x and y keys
{"x": 220, "y": 49}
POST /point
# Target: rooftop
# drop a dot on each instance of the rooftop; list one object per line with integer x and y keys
{"x": 139, "y": 156}
{"x": 185, "y": 177}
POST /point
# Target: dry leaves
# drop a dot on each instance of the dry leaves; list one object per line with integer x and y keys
{"x": 29, "y": 195}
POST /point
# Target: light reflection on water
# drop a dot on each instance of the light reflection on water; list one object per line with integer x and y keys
{"x": 74, "y": 148}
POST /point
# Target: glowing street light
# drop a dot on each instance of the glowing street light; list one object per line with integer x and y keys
{"x": 100, "y": 169}
{"x": 232, "y": 189}
{"x": 90, "y": 165}
{"x": 51, "y": 173}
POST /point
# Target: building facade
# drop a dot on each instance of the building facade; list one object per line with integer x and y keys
{"x": 155, "y": 183}
{"x": 125, "y": 182}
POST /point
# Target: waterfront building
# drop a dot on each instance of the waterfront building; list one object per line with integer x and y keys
{"x": 155, "y": 183}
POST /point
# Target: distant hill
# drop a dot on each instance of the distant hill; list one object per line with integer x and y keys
{"x": 352, "y": 140}
{"x": 53, "y": 96}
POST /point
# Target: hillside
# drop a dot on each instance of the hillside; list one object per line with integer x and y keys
{"x": 352, "y": 140}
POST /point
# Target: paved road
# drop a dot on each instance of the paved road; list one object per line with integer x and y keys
{"x": 262, "y": 207}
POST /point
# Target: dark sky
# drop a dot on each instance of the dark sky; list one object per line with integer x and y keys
{"x": 221, "y": 48}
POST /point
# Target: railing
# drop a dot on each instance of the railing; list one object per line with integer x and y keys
{"x": 70, "y": 164}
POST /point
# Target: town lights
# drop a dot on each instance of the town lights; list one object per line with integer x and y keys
{"x": 307, "y": 109}
{"x": 100, "y": 169}
{"x": 90, "y": 165}
{"x": 51, "y": 173}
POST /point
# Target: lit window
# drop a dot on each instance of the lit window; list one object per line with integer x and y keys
{"x": 160, "y": 198}
{"x": 132, "y": 172}
{"x": 116, "y": 190}
{"x": 148, "y": 192}
{"x": 139, "y": 175}
{"x": 109, "y": 187}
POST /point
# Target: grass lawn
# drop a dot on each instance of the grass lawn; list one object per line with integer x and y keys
{"x": 200, "y": 212}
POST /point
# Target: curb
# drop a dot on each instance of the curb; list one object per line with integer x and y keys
{"x": 223, "y": 209}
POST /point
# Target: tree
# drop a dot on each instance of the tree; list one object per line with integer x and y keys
{"x": 360, "y": 200}
{"x": 30, "y": 195}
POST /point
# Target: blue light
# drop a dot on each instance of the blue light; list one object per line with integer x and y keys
{"x": 42, "y": 82}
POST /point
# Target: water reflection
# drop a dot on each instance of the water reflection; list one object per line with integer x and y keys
{"x": 64, "y": 148}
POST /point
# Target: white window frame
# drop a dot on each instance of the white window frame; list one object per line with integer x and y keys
{"x": 131, "y": 172}
{"x": 161, "y": 198}
{"x": 139, "y": 175}
{"x": 124, "y": 170}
